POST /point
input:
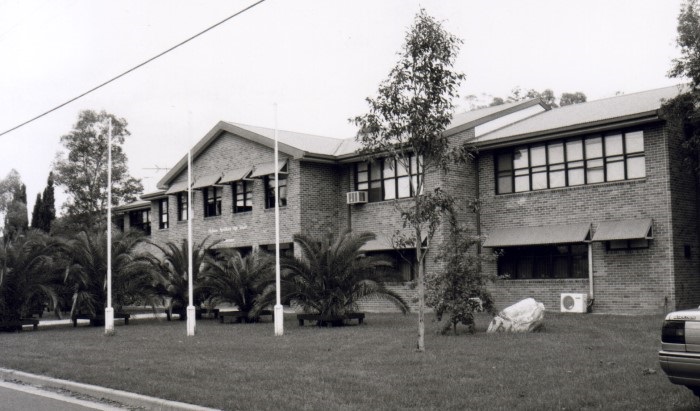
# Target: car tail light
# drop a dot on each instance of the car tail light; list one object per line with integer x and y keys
{"x": 673, "y": 332}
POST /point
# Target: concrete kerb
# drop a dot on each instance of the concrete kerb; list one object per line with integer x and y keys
{"x": 123, "y": 397}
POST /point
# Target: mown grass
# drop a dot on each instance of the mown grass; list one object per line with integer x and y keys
{"x": 578, "y": 362}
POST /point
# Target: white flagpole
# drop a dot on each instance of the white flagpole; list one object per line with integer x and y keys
{"x": 191, "y": 311}
{"x": 279, "y": 310}
{"x": 109, "y": 311}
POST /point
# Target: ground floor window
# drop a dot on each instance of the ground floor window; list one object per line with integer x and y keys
{"x": 402, "y": 265}
{"x": 140, "y": 220}
{"x": 286, "y": 249}
{"x": 547, "y": 261}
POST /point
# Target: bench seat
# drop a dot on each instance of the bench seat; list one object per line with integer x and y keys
{"x": 332, "y": 321}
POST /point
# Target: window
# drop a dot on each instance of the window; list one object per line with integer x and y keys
{"x": 182, "y": 206}
{"x": 242, "y": 196}
{"x": 163, "y": 213}
{"x": 551, "y": 261}
{"x": 270, "y": 190}
{"x": 595, "y": 159}
{"x": 140, "y": 220}
{"x": 212, "y": 201}
{"x": 634, "y": 244}
{"x": 387, "y": 179}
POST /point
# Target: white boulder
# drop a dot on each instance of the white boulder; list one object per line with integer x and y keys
{"x": 524, "y": 316}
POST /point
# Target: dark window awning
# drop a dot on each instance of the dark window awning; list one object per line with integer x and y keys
{"x": 177, "y": 187}
{"x": 206, "y": 181}
{"x": 265, "y": 169}
{"x": 624, "y": 230}
{"x": 542, "y": 235}
{"x": 382, "y": 243}
{"x": 231, "y": 176}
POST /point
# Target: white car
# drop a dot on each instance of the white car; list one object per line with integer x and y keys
{"x": 680, "y": 348}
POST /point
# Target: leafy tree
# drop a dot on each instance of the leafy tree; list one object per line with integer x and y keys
{"x": 407, "y": 119}
{"x": 13, "y": 205}
{"x": 230, "y": 278}
{"x": 568, "y": 99}
{"x": 332, "y": 275}
{"x": 86, "y": 272}
{"x": 44, "y": 212}
{"x": 171, "y": 277}
{"x": 459, "y": 289}
{"x": 28, "y": 274}
{"x": 547, "y": 96}
{"x": 682, "y": 111}
{"x": 83, "y": 172}
{"x": 36, "y": 213}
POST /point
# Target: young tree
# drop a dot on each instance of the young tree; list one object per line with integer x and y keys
{"x": 405, "y": 123}
{"x": 459, "y": 289}
{"x": 83, "y": 172}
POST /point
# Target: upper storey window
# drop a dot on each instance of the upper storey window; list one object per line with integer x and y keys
{"x": 387, "y": 179}
{"x": 212, "y": 201}
{"x": 571, "y": 162}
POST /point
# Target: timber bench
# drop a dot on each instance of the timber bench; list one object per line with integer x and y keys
{"x": 98, "y": 320}
{"x": 238, "y": 316}
{"x": 332, "y": 321}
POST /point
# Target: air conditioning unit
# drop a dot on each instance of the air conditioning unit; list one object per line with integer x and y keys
{"x": 574, "y": 303}
{"x": 356, "y": 197}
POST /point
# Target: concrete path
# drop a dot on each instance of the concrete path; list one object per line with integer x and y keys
{"x": 122, "y": 397}
{"x": 26, "y": 397}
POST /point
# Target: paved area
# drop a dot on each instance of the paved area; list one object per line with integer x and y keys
{"x": 26, "y": 397}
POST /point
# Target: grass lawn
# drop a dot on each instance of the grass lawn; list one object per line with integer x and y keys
{"x": 578, "y": 362}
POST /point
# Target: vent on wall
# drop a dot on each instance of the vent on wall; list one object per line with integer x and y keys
{"x": 356, "y": 197}
{"x": 573, "y": 303}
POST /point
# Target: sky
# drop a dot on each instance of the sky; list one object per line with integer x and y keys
{"x": 317, "y": 60}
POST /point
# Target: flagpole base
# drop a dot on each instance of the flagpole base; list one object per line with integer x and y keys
{"x": 109, "y": 320}
{"x": 191, "y": 321}
{"x": 279, "y": 319}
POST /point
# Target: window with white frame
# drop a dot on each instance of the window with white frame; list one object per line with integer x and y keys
{"x": 388, "y": 179}
{"x": 212, "y": 201}
{"x": 242, "y": 196}
{"x": 576, "y": 161}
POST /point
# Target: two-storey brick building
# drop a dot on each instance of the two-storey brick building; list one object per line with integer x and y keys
{"x": 591, "y": 198}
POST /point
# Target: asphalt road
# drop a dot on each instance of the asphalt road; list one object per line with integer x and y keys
{"x": 16, "y": 397}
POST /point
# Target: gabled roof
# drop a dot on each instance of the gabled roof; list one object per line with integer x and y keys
{"x": 296, "y": 145}
{"x": 627, "y": 107}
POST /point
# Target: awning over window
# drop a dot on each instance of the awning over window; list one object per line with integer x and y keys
{"x": 624, "y": 230}
{"x": 265, "y": 169}
{"x": 552, "y": 234}
{"x": 234, "y": 175}
{"x": 177, "y": 187}
{"x": 206, "y": 181}
{"x": 382, "y": 243}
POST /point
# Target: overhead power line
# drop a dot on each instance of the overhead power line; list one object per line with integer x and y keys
{"x": 132, "y": 69}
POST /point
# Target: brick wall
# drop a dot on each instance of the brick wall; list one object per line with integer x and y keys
{"x": 624, "y": 281}
{"x": 252, "y": 228}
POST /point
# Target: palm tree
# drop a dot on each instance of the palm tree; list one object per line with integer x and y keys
{"x": 230, "y": 278}
{"x": 171, "y": 273}
{"x": 333, "y": 275}
{"x": 28, "y": 275}
{"x": 86, "y": 272}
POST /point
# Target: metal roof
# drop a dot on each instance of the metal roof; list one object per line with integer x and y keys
{"x": 624, "y": 230}
{"x": 542, "y": 235}
{"x": 609, "y": 109}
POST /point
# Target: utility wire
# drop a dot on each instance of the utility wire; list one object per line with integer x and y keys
{"x": 133, "y": 68}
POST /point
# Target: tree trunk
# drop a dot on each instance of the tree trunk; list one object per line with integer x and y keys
{"x": 421, "y": 292}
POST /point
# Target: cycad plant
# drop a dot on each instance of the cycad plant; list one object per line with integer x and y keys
{"x": 333, "y": 274}
{"x": 28, "y": 275}
{"x": 86, "y": 272}
{"x": 170, "y": 271}
{"x": 231, "y": 278}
